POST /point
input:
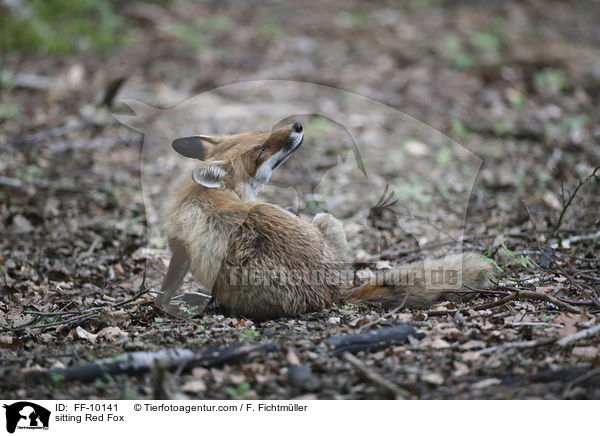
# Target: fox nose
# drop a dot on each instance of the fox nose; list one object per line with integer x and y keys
{"x": 297, "y": 127}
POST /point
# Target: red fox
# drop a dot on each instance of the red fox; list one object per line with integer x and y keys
{"x": 262, "y": 261}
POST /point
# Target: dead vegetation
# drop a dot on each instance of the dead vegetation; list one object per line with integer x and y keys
{"x": 515, "y": 83}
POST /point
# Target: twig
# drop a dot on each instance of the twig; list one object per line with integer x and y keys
{"x": 182, "y": 360}
{"x": 400, "y": 394}
{"x": 567, "y": 203}
{"x": 384, "y": 316}
{"x": 577, "y": 238}
{"x": 567, "y": 340}
{"x": 543, "y": 252}
{"x": 500, "y": 302}
{"x": 536, "y": 296}
{"x": 574, "y": 282}
{"x": 135, "y": 297}
{"x": 518, "y": 345}
{"x": 52, "y": 133}
{"x": 561, "y": 270}
{"x": 584, "y": 377}
{"x": 11, "y": 182}
{"x": 52, "y": 324}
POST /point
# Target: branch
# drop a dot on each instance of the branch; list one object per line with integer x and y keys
{"x": 572, "y": 196}
{"x": 399, "y": 393}
{"x": 567, "y": 340}
{"x": 183, "y": 360}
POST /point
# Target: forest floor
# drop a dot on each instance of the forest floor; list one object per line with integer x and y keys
{"x": 517, "y": 84}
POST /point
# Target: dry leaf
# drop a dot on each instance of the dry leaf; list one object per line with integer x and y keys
{"x": 115, "y": 317}
{"x": 194, "y": 385}
{"x": 433, "y": 378}
{"x": 585, "y": 353}
{"x": 81, "y": 333}
{"x": 487, "y": 383}
{"x": 545, "y": 289}
{"x": 110, "y": 333}
{"x": 358, "y": 322}
{"x": 461, "y": 368}
{"x": 437, "y": 343}
{"x": 551, "y": 201}
{"x": 472, "y": 344}
{"x": 470, "y": 356}
{"x": 569, "y": 320}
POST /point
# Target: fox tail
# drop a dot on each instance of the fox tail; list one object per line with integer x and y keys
{"x": 423, "y": 283}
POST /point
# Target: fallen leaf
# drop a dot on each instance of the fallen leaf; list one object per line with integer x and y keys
{"x": 194, "y": 385}
{"x": 115, "y": 317}
{"x": 585, "y": 353}
{"x": 551, "y": 201}
{"x": 81, "y": 333}
{"x": 461, "y": 368}
{"x": 486, "y": 383}
{"x": 433, "y": 378}
{"x": 472, "y": 344}
{"x": 358, "y": 322}
{"x": 470, "y": 356}
{"x": 545, "y": 289}
{"x": 111, "y": 333}
{"x": 569, "y": 320}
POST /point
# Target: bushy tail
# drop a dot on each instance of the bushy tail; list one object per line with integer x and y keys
{"x": 420, "y": 284}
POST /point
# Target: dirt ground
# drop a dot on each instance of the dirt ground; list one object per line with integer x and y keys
{"x": 516, "y": 85}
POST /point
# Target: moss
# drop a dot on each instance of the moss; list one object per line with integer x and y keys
{"x": 63, "y": 26}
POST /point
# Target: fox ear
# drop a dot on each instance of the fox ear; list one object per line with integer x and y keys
{"x": 190, "y": 146}
{"x": 211, "y": 175}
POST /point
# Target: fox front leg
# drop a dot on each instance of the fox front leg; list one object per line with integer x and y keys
{"x": 334, "y": 233}
{"x": 178, "y": 268}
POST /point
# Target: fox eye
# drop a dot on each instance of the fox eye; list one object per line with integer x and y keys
{"x": 262, "y": 150}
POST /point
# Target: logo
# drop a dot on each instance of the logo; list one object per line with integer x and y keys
{"x": 26, "y": 415}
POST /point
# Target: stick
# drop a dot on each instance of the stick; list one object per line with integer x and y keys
{"x": 399, "y": 393}
{"x": 182, "y": 360}
{"x": 583, "y": 334}
{"x": 536, "y": 296}
{"x": 500, "y": 302}
{"x": 518, "y": 345}
{"x": 385, "y": 315}
{"x": 577, "y": 238}
{"x": 572, "y": 196}
{"x": 561, "y": 270}
{"x": 372, "y": 340}
{"x": 52, "y": 133}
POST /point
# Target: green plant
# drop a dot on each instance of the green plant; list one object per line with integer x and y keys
{"x": 189, "y": 34}
{"x": 457, "y": 55}
{"x": 247, "y": 335}
{"x": 459, "y": 130}
{"x": 486, "y": 41}
{"x": 240, "y": 392}
{"x": 501, "y": 128}
{"x": 63, "y": 26}
{"x": 444, "y": 157}
{"x": 499, "y": 269}
{"x": 551, "y": 81}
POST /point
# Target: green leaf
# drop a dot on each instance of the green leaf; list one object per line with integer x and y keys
{"x": 493, "y": 262}
{"x": 507, "y": 252}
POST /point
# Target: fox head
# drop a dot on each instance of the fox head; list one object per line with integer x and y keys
{"x": 243, "y": 162}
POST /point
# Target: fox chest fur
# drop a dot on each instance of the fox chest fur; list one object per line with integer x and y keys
{"x": 257, "y": 258}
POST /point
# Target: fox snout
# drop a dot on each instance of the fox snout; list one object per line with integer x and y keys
{"x": 296, "y": 136}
